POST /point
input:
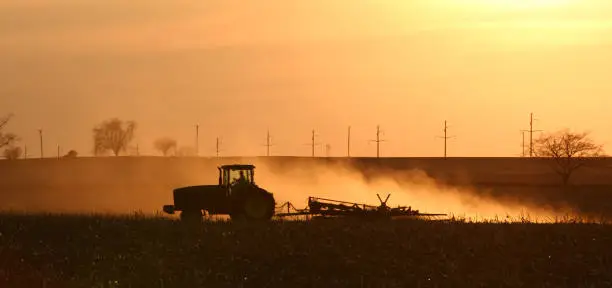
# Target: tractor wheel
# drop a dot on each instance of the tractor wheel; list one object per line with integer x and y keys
{"x": 192, "y": 216}
{"x": 256, "y": 207}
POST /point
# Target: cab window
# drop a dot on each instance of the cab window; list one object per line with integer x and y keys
{"x": 234, "y": 175}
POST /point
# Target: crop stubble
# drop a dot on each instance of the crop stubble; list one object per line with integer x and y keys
{"x": 122, "y": 251}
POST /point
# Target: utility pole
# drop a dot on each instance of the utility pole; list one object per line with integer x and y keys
{"x": 197, "y": 140}
{"x": 378, "y": 140}
{"x": 58, "y": 151}
{"x": 531, "y": 134}
{"x": 268, "y": 143}
{"x": 446, "y": 137}
{"x": 218, "y": 149}
{"x": 327, "y": 150}
{"x": 313, "y": 143}
{"x": 40, "y": 133}
{"x": 25, "y": 151}
{"x": 348, "y": 143}
{"x": 523, "y": 143}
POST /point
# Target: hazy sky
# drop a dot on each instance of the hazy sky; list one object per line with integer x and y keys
{"x": 240, "y": 67}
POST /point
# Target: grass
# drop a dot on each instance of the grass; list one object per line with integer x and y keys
{"x": 47, "y": 250}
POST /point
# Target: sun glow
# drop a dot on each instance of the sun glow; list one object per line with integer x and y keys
{"x": 518, "y": 4}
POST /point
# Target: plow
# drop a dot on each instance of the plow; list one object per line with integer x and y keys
{"x": 328, "y": 208}
{"x": 236, "y": 194}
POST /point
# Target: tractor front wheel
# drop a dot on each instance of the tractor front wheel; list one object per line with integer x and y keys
{"x": 259, "y": 207}
{"x": 192, "y": 216}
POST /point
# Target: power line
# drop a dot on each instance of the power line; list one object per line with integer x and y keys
{"x": 378, "y": 140}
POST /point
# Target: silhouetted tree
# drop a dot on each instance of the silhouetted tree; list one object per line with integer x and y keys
{"x": 113, "y": 135}
{"x": 6, "y": 139}
{"x": 164, "y": 145}
{"x": 567, "y": 151}
{"x": 12, "y": 153}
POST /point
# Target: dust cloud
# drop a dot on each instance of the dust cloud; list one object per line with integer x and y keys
{"x": 340, "y": 181}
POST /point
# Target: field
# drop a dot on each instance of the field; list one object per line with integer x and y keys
{"x": 111, "y": 251}
{"x": 128, "y": 184}
{"x": 144, "y": 250}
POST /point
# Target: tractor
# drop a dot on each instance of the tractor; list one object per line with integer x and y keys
{"x": 235, "y": 195}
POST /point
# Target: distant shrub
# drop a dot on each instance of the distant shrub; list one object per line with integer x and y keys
{"x": 71, "y": 154}
{"x": 164, "y": 145}
{"x": 12, "y": 153}
{"x": 186, "y": 152}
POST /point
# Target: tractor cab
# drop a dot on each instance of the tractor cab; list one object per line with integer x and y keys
{"x": 230, "y": 175}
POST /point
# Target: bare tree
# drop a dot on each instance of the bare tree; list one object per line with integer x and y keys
{"x": 113, "y": 135}
{"x": 12, "y": 152}
{"x": 567, "y": 151}
{"x": 6, "y": 139}
{"x": 164, "y": 145}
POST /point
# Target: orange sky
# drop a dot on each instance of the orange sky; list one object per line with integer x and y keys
{"x": 239, "y": 67}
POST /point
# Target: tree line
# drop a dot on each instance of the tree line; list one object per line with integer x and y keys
{"x": 565, "y": 151}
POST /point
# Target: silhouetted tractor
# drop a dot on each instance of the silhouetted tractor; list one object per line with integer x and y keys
{"x": 235, "y": 195}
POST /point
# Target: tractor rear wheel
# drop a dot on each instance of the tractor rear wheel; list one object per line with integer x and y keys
{"x": 192, "y": 216}
{"x": 257, "y": 206}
